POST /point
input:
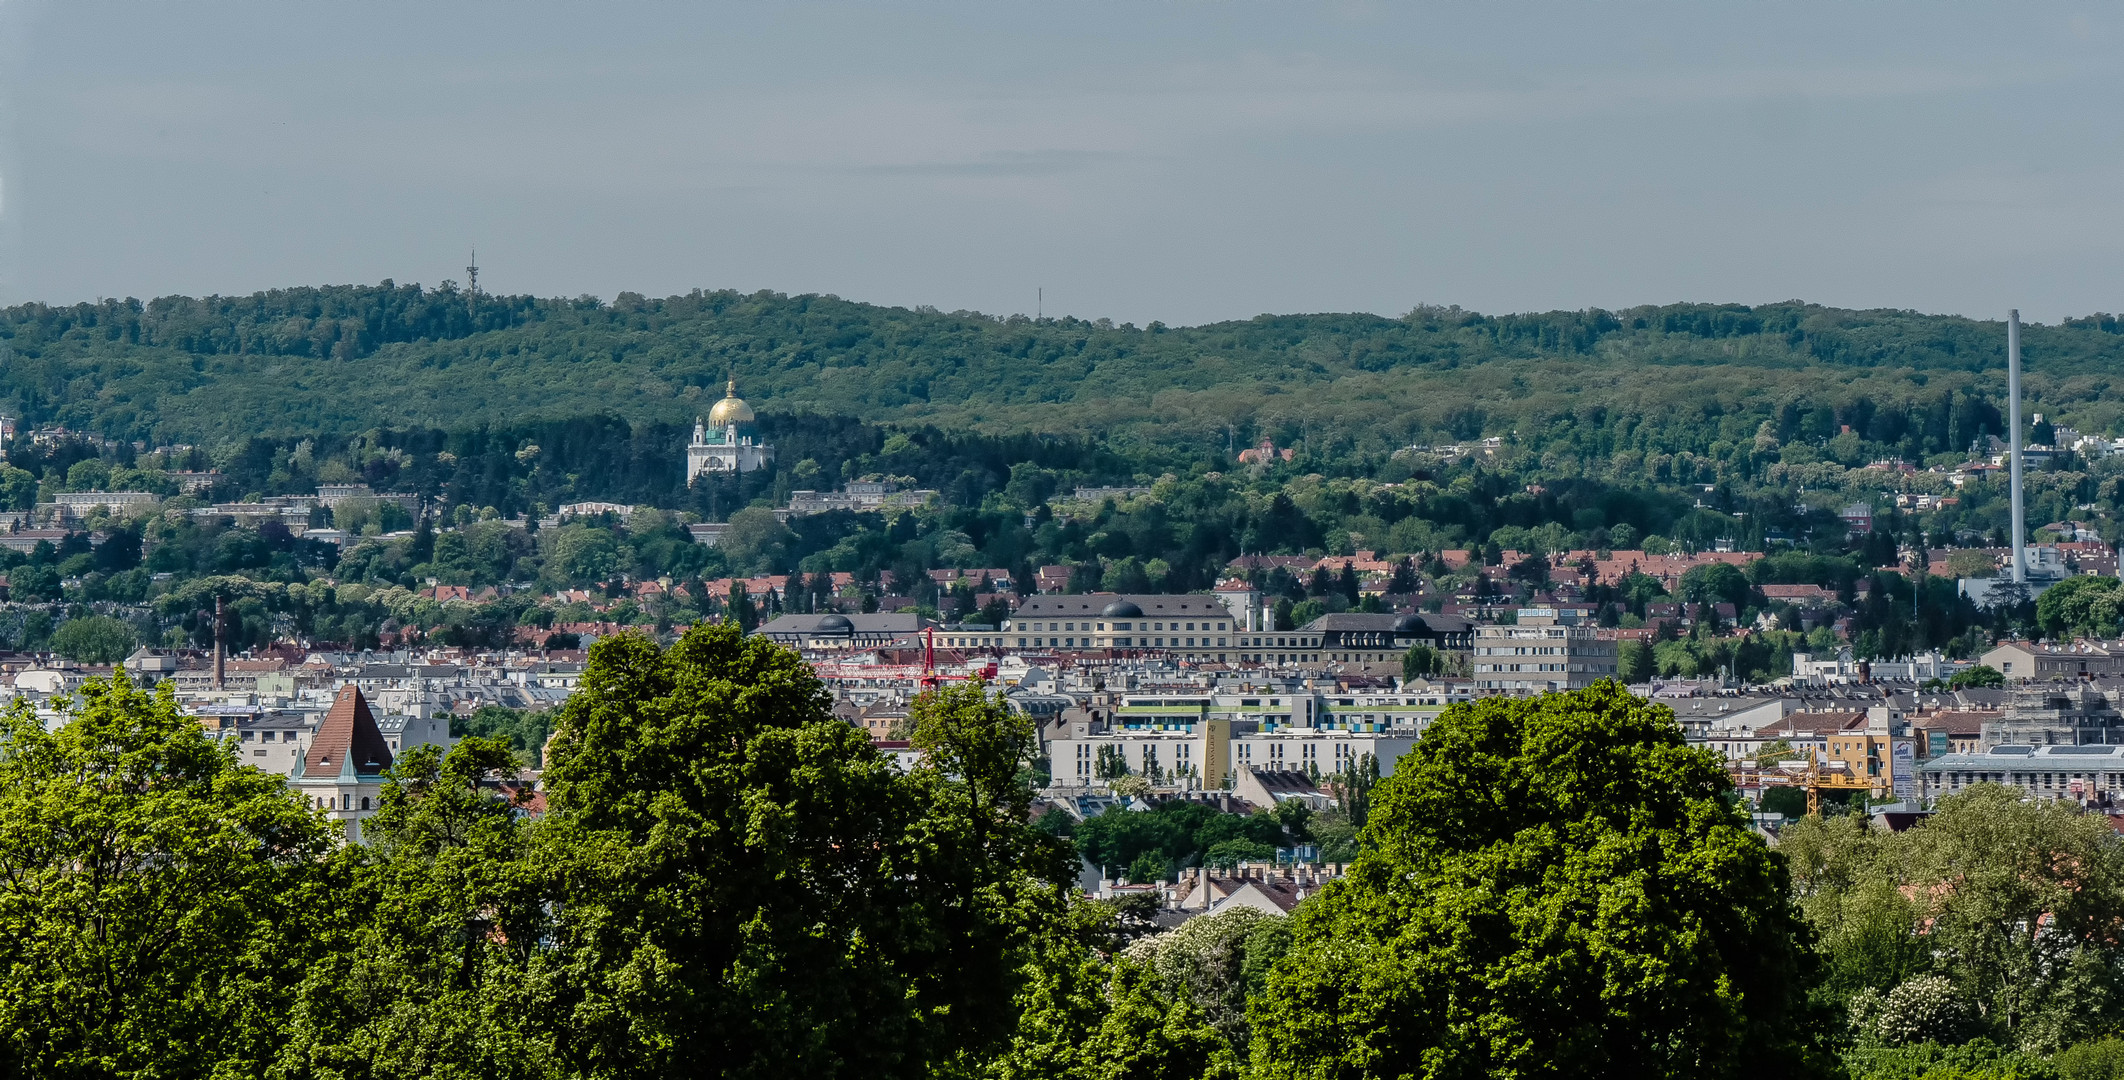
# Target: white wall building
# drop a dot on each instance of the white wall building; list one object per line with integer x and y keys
{"x": 727, "y": 441}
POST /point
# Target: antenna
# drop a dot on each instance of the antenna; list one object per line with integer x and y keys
{"x": 1039, "y": 302}
{"x": 472, "y": 283}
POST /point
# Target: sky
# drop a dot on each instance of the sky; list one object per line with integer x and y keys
{"x": 1178, "y": 161}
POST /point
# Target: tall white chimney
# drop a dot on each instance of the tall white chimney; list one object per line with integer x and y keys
{"x": 2013, "y": 398}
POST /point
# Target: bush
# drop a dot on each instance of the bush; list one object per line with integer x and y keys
{"x": 1225, "y": 854}
{"x": 1980, "y": 676}
{"x": 93, "y": 639}
{"x": 1789, "y": 801}
{"x": 2099, "y": 1060}
{"x": 1147, "y": 868}
{"x": 1978, "y": 1060}
{"x": 1926, "y": 1009}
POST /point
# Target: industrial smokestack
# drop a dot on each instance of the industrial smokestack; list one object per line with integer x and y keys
{"x": 2013, "y": 405}
{"x": 219, "y": 651}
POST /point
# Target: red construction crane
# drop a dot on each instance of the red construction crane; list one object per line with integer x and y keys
{"x": 930, "y": 678}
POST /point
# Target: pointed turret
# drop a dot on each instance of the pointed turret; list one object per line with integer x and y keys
{"x": 348, "y": 745}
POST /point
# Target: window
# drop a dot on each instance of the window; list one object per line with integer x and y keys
{"x": 346, "y": 802}
{"x": 365, "y": 802}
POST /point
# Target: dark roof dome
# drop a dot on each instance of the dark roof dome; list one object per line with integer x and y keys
{"x": 1411, "y": 624}
{"x": 1122, "y": 609}
{"x": 835, "y": 624}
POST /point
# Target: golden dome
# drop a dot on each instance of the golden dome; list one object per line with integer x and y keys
{"x": 731, "y": 410}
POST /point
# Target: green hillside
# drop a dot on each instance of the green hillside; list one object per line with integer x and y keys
{"x": 350, "y": 358}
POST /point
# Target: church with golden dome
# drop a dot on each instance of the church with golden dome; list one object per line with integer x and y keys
{"x": 726, "y": 442}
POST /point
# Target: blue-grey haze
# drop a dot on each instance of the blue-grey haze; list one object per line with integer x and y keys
{"x": 1176, "y": 161}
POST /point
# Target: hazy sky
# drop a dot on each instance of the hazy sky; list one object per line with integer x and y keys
{"x": 1176, "y": 161}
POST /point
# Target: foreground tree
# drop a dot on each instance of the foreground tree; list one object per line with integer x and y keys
{"x": 431, "y": 969}
{"x": 157, "y": 899}
{"x": 1994, "y": 918}
{"x": 745, "y": 887}
{"x": 1554, "y": 886}
{"x": 2021, "y": 898}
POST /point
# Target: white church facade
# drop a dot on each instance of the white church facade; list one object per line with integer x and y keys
{"x": 726, "y": 442}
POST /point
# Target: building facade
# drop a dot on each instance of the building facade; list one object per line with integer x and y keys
{"x": 727, "y": 441}
{"x": 1537, "y": 656}
{"x": 2078, "y": 773}
{"x": 1200, "y": 628}
{"x": 342, "y": 770}
{"x": 1197, "y": 740}
{"x": 2027, "y": 661}
{"x": 1185, "y": 626}
{"x": 1355, "y": 638}
{"x": 843, "y": 632}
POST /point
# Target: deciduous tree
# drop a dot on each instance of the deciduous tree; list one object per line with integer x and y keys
{"x": 1555, "y": 886}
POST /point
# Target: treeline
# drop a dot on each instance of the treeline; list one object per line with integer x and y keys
{"x": 1655, "y": 379}
{"x": 517, "y": 469}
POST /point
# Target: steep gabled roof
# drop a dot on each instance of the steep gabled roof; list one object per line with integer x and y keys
{"x": 348, "y": 743}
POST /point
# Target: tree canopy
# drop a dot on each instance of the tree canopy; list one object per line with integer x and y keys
{"x": 1554, "y": 886}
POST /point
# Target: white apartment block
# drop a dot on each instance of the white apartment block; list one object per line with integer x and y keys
{"x": 1538, "y": 658}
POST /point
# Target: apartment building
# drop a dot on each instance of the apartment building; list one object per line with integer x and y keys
{"x": 1198, "y": 740}
{"x": 1540, "y": 653}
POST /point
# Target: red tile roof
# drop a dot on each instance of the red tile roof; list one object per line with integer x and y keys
{"x": 349, "y": 730}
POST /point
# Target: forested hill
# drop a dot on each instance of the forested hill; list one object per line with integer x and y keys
{"x": 349, "y": 358}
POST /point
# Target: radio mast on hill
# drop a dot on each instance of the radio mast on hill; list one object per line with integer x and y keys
{"x": 472, "y": 285}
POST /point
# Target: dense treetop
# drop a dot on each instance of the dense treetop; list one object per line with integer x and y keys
{"x": 348, "y": 358}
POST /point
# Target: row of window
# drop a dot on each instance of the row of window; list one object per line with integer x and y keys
{"x": 324, "y": 802}
{"x": 2054, "y": 781}
{"x": 1273, "y": 753}
{"x": 1123, "y": 643}
{"x": 1155, "y": 642}
{"x": 1066, "y": 626}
